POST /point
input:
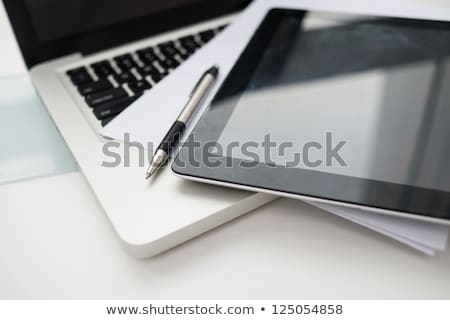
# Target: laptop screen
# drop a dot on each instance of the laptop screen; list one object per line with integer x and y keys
{"x": 48, "y": 29}
{"x": 55, "y": 19}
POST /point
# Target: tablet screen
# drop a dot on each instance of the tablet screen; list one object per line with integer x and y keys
{"x": 367, "y": 99}
{"x": 347, "y": 108}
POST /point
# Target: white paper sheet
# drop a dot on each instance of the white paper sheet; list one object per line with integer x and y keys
{"x": 423, "y": 236}
{"x": 148, "y": 119}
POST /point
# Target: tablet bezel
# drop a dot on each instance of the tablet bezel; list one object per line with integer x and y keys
{"x": 385, "y": 197}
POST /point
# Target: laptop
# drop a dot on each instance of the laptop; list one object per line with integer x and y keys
{"x": 89, "y": 60}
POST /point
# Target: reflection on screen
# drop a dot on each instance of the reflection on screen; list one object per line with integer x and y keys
{"x": 379, "y": 86}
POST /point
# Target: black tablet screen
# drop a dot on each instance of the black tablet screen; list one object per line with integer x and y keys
{"x": 379, "y": 87}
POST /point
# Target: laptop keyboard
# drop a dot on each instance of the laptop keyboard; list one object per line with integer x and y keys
{"x": 110, "y": 86}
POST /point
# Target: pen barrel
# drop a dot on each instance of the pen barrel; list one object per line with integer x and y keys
{"x": 196, "y": 97}
{"x": 172, "y": 137}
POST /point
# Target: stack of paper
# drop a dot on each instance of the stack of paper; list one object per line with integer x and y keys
{"x": 162, "y": 106}
{"x": 424, "y": 236}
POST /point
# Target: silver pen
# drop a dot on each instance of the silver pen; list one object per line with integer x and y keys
{"x": 172, "y": 137}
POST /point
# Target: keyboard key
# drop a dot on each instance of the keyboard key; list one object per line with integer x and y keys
{"x": 189, "y": 43}
{"x": 113, "y": 108}
{"x": 169, "y": 63}
{"x": 184, "y": 55}
{"x": 103, "y": 69}
{"x": 125, "y": 77}
{"x": 79, "y": 76}
{"x": 99, "y": 98}
{"x": 156, "y": 77}
{"x": 125, "y": 62}
{"x": 107, "y": 120}
{"x": 206, "y": 36}
{"x": 167, "y": 49}
{"x": 147, "y": 70}
{"x": 96, "y": 86}
{"x": 148, "y": 56}
{"x": 139, "y": 86}
{"x": 76, "y": 70}
{"x": 153, "y": 73}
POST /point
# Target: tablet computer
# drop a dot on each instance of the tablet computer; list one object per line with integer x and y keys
{"x": 345, "y": 109}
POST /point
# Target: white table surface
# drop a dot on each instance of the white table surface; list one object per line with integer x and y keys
{"x": 55, "y": 242}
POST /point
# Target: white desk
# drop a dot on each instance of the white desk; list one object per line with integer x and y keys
{"x": 55, "y": 242}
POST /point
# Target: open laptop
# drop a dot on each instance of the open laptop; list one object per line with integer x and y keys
{"x": 89, "y": 60}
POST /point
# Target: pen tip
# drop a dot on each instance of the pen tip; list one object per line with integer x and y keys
{"x": 151, "y": 171}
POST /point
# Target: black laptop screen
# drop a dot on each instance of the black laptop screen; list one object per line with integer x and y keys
{"x": 48, "y": 29}
{"x": 55, "y": 19}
